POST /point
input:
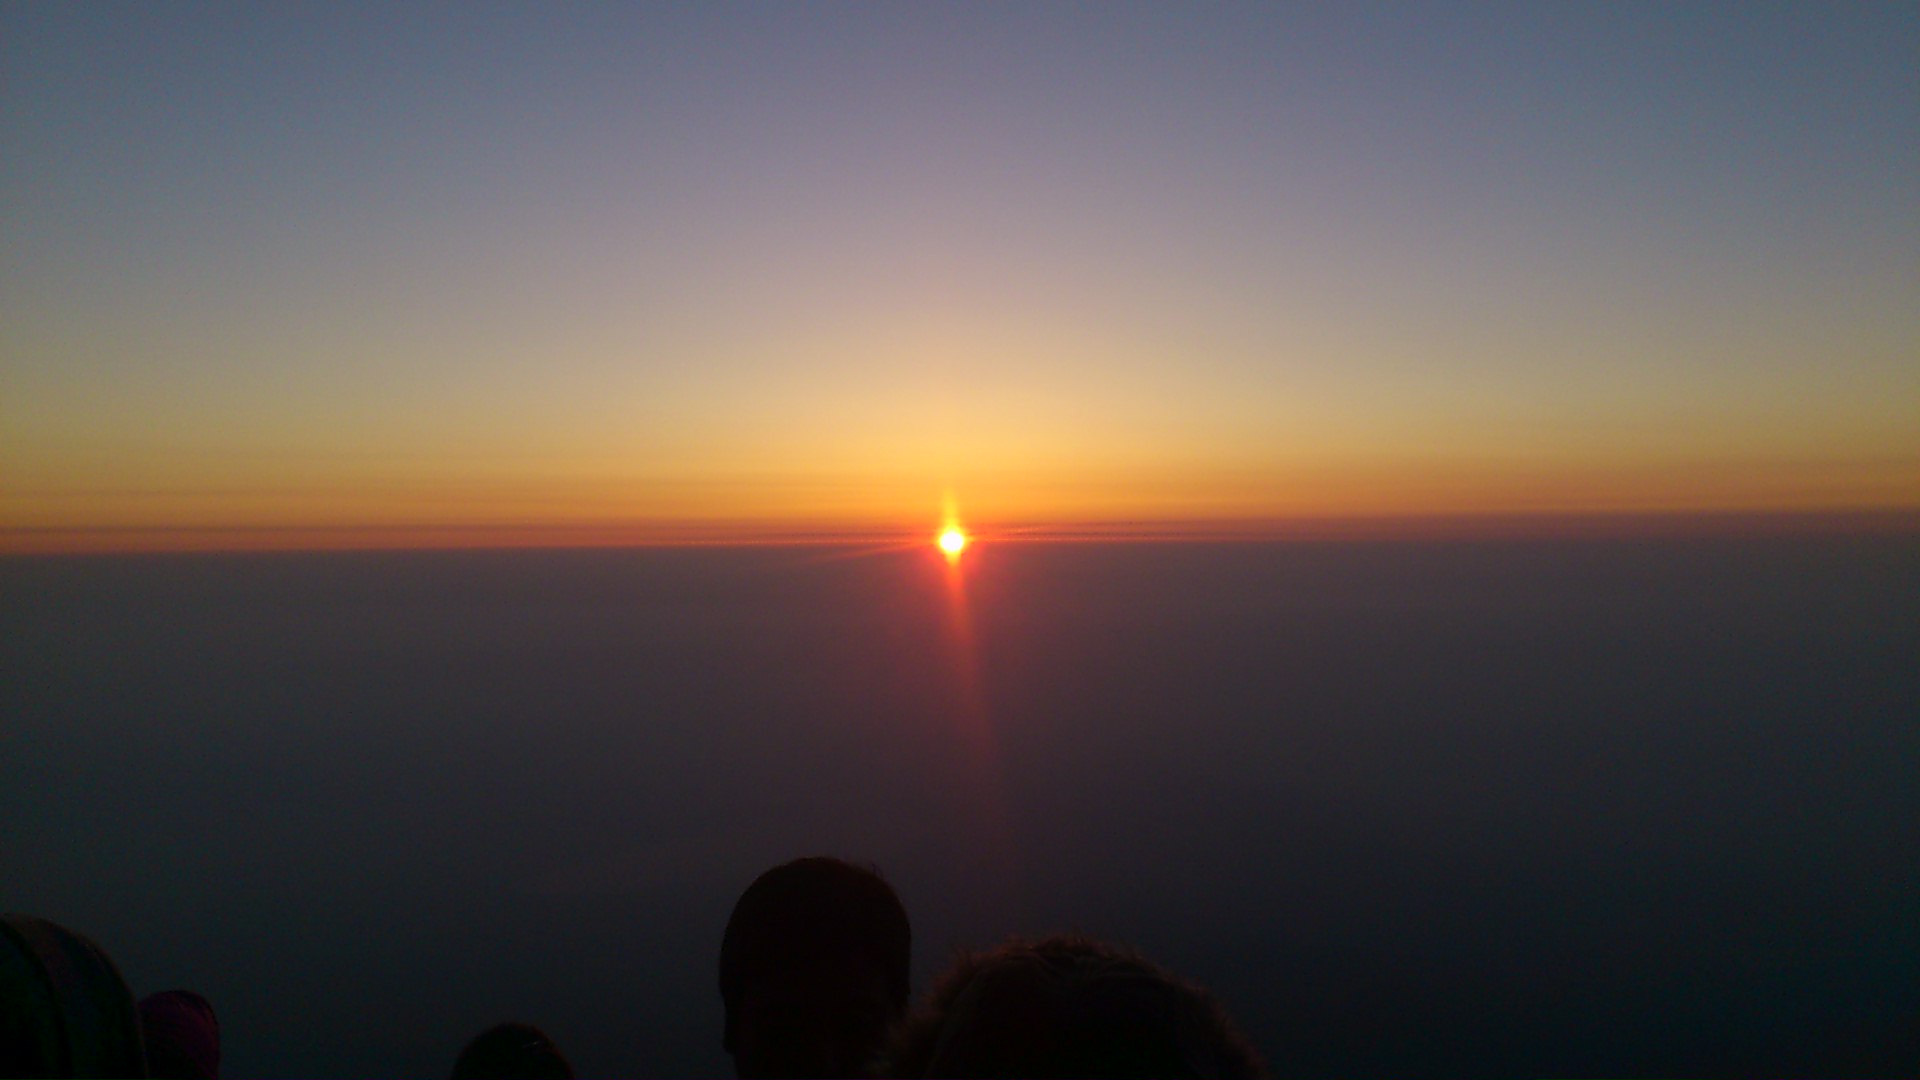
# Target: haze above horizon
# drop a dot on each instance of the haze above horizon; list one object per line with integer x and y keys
{"x": 726, "y": 271}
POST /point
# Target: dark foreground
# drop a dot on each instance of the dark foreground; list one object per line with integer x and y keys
{"x": 1572, "y": 807}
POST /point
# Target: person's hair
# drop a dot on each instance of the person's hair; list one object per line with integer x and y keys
{"x": 512, "y": 1051}
{"x": 182, "y": 1033}
{"x": 1067, "y": 1006}
{"x": 64, "y": 1009}
{"x": 815, "y": 910}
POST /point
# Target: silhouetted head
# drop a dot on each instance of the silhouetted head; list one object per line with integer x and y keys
{"x": 512, "y": 1052}
{"x": 182, "y": 1035}
{"x": 1066, "y": 1007}
{"x": 64, "y": 1009}
{"x": 813, "y": 970}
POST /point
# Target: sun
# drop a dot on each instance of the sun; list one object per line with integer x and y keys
{"x": 952, "y": 541}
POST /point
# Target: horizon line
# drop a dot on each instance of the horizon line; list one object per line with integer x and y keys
{"x": 53, "y": 541}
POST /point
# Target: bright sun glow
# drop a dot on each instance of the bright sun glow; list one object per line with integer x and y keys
{"x": 953, "y": 541}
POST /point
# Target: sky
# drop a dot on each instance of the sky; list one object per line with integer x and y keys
{"x": 501, "y": 273}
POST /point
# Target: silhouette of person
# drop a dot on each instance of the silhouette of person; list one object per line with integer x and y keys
{"x": 1068, "y": 1006}
{"x": 813, "y": 970}
{"x": 64, "y": 1009}
{"x": 182, "y": 1036}
{"x": 512, "y": 1052}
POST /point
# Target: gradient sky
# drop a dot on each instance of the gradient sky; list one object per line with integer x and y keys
{"x": 798, "y": 268}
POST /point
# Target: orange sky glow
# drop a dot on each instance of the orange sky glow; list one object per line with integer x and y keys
{"x": 747, "y": 294}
